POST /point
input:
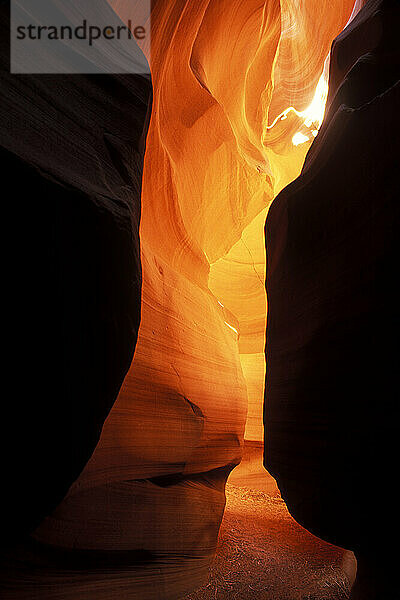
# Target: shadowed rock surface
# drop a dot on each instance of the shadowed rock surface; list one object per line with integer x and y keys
{"x": 332, "y": 240}
{"x": 72, "y": 150}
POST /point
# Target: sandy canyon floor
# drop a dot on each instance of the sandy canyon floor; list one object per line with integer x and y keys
{"x": 264, "y": 554}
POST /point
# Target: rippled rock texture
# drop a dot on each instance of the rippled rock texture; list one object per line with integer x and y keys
{"x": 142, "y": 519}
{"x": 332, "y": 239}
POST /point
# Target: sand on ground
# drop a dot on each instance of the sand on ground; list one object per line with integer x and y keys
{"x": 263, "y": 554}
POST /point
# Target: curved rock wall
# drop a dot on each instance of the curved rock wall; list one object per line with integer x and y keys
{"x": 332, "y": 336}
{"x": 142, "y": 519}
{"x": 72, "y": 150}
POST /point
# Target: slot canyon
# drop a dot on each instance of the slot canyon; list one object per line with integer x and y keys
{"x": 259, "y": 160}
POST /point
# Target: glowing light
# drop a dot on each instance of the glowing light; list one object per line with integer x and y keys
{"x": 313, "y": 115}
{"x": 231, "y": 327}
{"x": 299, "y": 138}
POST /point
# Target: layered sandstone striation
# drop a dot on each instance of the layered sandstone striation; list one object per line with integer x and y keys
{"x": 142, "y": 518}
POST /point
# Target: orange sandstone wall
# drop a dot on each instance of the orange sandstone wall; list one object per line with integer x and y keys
{"x": 223, "y": 71}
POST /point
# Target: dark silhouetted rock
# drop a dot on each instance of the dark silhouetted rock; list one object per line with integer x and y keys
{"x": 72, "y": 149}
{"x": 332, "y": 239}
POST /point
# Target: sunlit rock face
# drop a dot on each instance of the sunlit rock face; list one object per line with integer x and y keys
{"x": 142, "y": 519}
{"x": 333, "y": 328}
{"x": 306, "y": 31}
